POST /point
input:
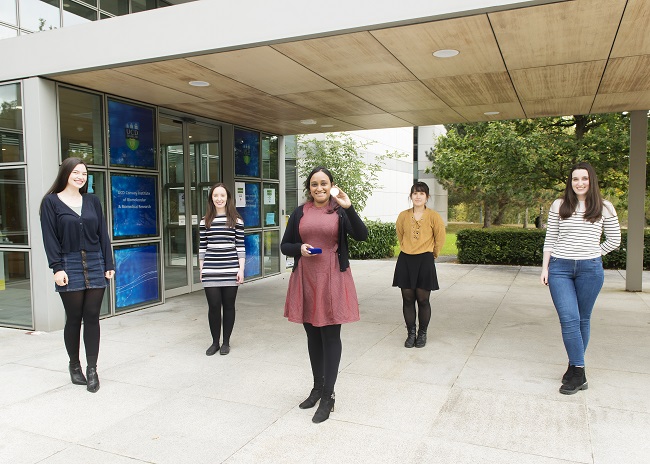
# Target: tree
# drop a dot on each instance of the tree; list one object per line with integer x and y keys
{"x": 521, "y": 163}
{"x": 344, "y": 157}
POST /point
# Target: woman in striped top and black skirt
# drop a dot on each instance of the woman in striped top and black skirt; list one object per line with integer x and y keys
{"x": 222, "y": 257}
{"x": 573, "y": 266}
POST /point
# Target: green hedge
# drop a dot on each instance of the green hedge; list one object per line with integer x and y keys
{"x": 382, "y": 238}
{"x": 524, "y": 247}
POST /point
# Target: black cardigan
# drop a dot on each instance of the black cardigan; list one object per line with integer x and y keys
{"x": 64, "y": 231}
{"x": 349, "y": 223}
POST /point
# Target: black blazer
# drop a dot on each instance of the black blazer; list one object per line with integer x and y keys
{"x": 349, "y": 224}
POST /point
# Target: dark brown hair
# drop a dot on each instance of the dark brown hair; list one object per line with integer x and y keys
{"x": 333, "y": 204}
{"x": 593, "y": 200}
{"x": 62, "y": 177}
{"x": 211, "y": 211}
{"x": 420, "y": 187}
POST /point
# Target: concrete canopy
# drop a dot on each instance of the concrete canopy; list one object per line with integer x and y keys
{"x": 357, "y": 65}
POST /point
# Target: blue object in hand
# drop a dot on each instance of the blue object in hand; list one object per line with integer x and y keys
{"x": 314, "y": 251}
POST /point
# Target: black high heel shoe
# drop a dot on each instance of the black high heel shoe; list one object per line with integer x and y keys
{"x": 312, "y": 399}
{"x": 324, "y": 408}
{"x": 93, "y": 379}
{"x": 77, "y": 375}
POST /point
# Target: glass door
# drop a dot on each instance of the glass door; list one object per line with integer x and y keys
{"x": 191, "y": 163}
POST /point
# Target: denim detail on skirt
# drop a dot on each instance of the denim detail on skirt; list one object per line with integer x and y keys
{"x": 85, "y": 269}
{"x": 416, "y": 271}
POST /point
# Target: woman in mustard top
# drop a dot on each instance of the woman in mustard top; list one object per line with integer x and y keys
{"x": 421, "y": 235}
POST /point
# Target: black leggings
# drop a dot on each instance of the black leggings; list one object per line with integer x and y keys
{"x": 409, "y": 296}
{"x": 218, "y": 297}
{"x": 82, "y": 305}
{"x": 324, "y": 345}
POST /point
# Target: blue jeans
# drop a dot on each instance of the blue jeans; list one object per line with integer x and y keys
{"x": 574, "y": 286}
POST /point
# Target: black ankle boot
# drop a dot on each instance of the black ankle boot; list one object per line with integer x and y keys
{"x": 76, "y": 374}
{"x": 93, "y": 379}
{"x": 422, "y": 339}
{"x": 324, "y": 408}
{"x": 314, "y": 395}
{"x": 567, "y": 375}
{"x": 212, "y": 350}
{"x": 410, "y": 340}
{"x": 576, "y": 382}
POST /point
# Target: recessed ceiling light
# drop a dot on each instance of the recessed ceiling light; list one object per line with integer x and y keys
{"x": 445, "y": 53}
{"x": 308, "y": 122}
{"x": 327, "y": 125}
{"x": 199, "y": 83}
{"x": 491, "y": 113}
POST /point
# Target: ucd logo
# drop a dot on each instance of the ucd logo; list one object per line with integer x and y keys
{"x": 132, "y": 133}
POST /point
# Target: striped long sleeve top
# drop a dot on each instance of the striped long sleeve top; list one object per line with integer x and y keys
{"x": 575, "y": 238}
{"x": 220, "y": 248}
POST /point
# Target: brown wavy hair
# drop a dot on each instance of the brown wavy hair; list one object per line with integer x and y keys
{"x": 231, "y": 211}
{"x": 593, "y": 200}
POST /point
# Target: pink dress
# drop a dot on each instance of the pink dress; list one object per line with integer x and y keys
{"x": 319, "y": 293}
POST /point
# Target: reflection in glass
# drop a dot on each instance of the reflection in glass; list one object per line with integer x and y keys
{"x": 271, "y": 203}
{"x": 174, "y": 204}
{"x": 271, "y": 252}
{"x": 13, "y": 207}
{"x": 97, "y": 186}
{"x": 8, "y": 12}
{"x": 11, "y": 107}
{"x": 270, "y": 157}
{"x": 116, "y": 7}
{"x": 253, "y": 255}
{"x": 74, "y": 13}
{"x": 15, "y": 289}
{"x": 142, "y": 5}
{"x": 39, "y": 15}
{"x": 80, "y": 120}
{"x": 11, "y": 148}
{"x": 7, "y": 32}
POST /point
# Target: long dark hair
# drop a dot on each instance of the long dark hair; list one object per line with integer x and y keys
{"x": 333, "y": 205}
{"x": 593, "y": 200}
{"x": 231, "y": 211}
{"x": 62, "y": 177}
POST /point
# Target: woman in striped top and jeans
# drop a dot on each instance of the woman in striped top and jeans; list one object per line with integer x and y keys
{"x": 572, "y": 266}
{"x": 222, "y": 257}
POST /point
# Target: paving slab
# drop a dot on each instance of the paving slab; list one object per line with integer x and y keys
{"x": 483, "y": 390}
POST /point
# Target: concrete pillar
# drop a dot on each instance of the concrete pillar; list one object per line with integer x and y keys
{"x": 283, "y": 200}
{"x": 636, "y": 200}
{"x": 42, "y": 156}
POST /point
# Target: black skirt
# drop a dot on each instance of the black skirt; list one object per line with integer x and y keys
{"x": 416, "y": 271}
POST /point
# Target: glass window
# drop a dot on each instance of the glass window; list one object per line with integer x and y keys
{"x": 97, "y": 186}
{"x": 74, "y": 13}
{"x": 89, "y": 2}
{"x": 271, "y": 252}
{"x": 270, "y": 157}
{"x": 253, "y": 266}
{"x": 247, "y": 153}
{"x": 15, "y": 289}
{"x": 80, "y": 120}
{"x": 271, "y": 205}
{"x": 11, "y": 107}
{"x": 39, "y": 15}
{"x": 13, "y": 209}
{"x": 251, "y": 199}
{"x": 8, "y": 11}
{"x": 11, "y": 148}
{"x": 7, "y": 32}
{"x": 137, "y": 276}
{"x": 116, "y": 7}
{"x": 142, "y": 5}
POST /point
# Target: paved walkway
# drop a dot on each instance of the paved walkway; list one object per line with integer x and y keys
{"x": 483, "y": 390}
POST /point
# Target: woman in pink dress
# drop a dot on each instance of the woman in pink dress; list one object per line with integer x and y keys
{"x": 321, "y": 294}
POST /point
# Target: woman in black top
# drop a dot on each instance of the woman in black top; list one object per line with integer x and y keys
{"x": 79, "y": 253}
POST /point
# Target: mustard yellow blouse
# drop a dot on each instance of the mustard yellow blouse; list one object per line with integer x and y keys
{"x": 426, "y": 235}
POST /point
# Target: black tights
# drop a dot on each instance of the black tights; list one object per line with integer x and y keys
{"x": 82, "y": 305}
{"x": 218, "y": 297}
{"x": 324, "y": 345}
{"x": 409, "y": 296}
